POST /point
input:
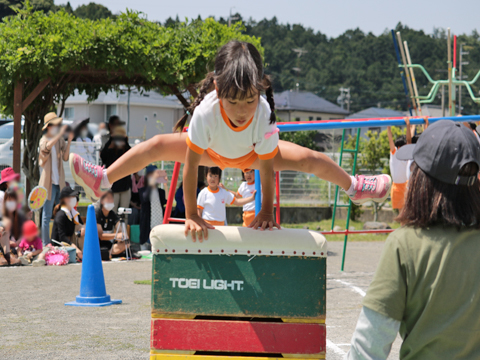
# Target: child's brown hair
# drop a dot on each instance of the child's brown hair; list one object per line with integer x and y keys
{"x": 238, "y": 70}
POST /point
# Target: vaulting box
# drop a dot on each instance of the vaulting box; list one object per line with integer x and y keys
{"x": 242, "y": 292}
{"x": 239, "y": 272}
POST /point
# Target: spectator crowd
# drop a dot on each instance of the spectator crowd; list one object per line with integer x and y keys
{"x": 60, "y": 224}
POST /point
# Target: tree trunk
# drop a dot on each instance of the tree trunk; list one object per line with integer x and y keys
{"x": 375, "y": 211}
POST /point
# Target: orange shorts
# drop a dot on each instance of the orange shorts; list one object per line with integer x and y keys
{"x": 248, "y": 217}
{"x": 398, "y": 195}
{"x": 214, "y": 223}
{"x": 241, "y": 163}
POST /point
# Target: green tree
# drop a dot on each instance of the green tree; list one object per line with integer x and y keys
{"x": 35, "y": 46}
{"x": 93, "y": 11}
{"x": 39, "y": 5}
{"x": 302, "y": 138}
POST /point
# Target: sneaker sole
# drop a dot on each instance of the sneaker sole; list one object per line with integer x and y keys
{"x": 387, "y": 193}
{"x": 88, "y": 191}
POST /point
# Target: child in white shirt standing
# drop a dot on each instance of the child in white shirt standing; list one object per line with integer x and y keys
{"x": 212, "y": 200}
{"x": 246, "y": 189}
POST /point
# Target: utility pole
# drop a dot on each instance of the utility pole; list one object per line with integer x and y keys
{"x": 461, "y": 76}
{"x": 297, "y": 69}
{"x": 344, "y": 98}
{"x": 230, "y": 18}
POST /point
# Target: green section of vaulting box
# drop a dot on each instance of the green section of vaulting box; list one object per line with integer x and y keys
{"x": 265, "y": 286}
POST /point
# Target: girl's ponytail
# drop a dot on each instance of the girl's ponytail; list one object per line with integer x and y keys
{"x": 205, "y": 87}
{"x": 270, "y": 100}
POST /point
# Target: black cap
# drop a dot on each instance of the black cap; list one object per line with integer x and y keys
{"x": 442, "y": 150}
{"x": 67, "y": 191}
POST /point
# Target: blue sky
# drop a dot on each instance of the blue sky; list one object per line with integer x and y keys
{"x": 331, "y": 17}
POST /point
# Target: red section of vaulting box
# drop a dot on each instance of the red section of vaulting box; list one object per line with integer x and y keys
{"x": 237, "y": 336}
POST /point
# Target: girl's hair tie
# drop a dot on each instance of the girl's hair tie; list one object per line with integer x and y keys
{"x": 188, "y": 112}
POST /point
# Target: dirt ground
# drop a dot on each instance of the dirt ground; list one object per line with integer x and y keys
{"x": 37, "y": 325}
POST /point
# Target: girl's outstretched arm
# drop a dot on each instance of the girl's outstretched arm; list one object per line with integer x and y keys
{"x": 193, "y": 223}
{"x": 265, "y": 218}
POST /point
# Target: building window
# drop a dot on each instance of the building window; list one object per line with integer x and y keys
{"x": 374, "y": 130}
{"x": 319, "y": 118}
{"x": 310, "y": 118}
{"x": 297, "y": 119}
{"x": 111, "y": 110}
{"x": 69, "y": 113}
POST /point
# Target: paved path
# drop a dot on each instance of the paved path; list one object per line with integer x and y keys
{"x": 36, "y": 324}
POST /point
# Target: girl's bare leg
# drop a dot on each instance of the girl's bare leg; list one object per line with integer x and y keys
{"x": 165, "y": 147}
{"x": 298, "y": 158}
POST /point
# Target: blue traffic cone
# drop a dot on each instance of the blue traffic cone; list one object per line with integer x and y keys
{"x": 92, "y": 283}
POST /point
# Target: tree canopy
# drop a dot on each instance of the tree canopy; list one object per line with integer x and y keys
{"x": 58, "y": 46}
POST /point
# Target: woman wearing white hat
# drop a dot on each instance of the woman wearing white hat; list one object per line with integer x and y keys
{"x": 53, "y": 152}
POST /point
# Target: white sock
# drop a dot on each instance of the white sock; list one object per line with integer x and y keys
{"x": 351, "y": 189}
{"x": 105, "y": 184}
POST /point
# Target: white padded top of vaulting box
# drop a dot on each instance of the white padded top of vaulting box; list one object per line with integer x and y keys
{"x": 232, "y": 240}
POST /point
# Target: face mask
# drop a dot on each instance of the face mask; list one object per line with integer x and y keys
{"x": 119, "y": 143}
{"x": 103, "y": 132}
{"x": 108, "y": 206}
{"x": 84, "y": 133}
{"x": 11, "y": 205}
{"x": 53, "y": 130}
{"x": 72, "y": 202}
{"x": 141, "y": 172}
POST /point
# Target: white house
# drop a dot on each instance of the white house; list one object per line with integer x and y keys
{"x": 150, "y": 112}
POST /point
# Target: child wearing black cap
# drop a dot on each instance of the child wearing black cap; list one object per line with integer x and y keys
{"x": 426, "y": 284}
{"x": 66, "y": 218}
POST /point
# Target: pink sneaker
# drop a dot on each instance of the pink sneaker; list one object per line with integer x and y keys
{"x": 371, "y": 188}
{"x": 87, "y": 175}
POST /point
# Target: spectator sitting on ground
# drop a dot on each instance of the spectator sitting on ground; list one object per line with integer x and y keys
{"x": 115, "y": 147}
{"x": 53, "y": 152}
{"x": 107, "y": 221}
{"x": 426, "y": 283}
{"x": 66, "y": 219}
{"x": 5, "y": 240}
{"x": 153, "y": 202}
{"x": 30, "y": 249}
{"x": 8, "y": 178}
{"x": 12, "y": 210}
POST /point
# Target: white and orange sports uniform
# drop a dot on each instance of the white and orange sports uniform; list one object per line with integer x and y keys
{"x": 213, "y": 205}
{"x": 247, "y": 189}
{"x": 399, "y": 170}
{"x": 210, "y": 130}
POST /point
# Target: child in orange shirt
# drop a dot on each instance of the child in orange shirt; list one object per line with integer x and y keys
{"x": 212, "y": 200}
